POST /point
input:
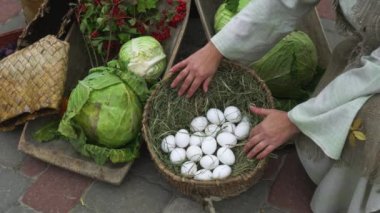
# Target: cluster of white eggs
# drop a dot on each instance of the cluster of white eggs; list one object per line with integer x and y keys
{"x": 210, "y": 142}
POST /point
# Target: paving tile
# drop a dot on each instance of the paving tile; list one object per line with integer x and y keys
{"x": 270, "y": 209}
{"x": 12, "y": 186}
{"x": 9, "y": 155}
{"x": 133, "y": 195}
{"x": 274, "y": 166}
{"x": 20, "y": 209}
{"x": 17, "y": 22}
{"x": 292, "y": 189}
{"x": 56, "y": 190}
{"x": 183, "y": 205}
{"x": 79, "y": 208}
{"x": 8, "y": 9}
{"x": 32, "y": 167}
{"x": 249, "y": 201}
{"x": 326, "y": 10}
{"x": 144, "y": 167}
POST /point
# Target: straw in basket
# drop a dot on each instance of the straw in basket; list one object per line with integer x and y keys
{"x": 166, "y": 113}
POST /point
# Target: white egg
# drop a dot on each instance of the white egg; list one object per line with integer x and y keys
{"x": 194, "y": 153}
{"x": 242, "y": 130}
{"x": 209, "y": 145}
{"x": 182, "y": 138}
{"x": 215, "y": 116}
{"x": 245, "y": 118}
{"x": 212, "y": 130}
{"x": 198, "y": 124}
{"x": 203, "y": 174}
{"x": 178, "y": 155}
{"x": 188, "y": 169}
{"x": 209, "y": 162}
{"x": 228, "y": 127}
{"x": 232, "y": 114}
{"x": 221, "y": 172}
{"x": 226, "y": 139}
{"x": 197, "y": 138}
{"x": 168, "y": 143}
{"x": 225, "y": 155}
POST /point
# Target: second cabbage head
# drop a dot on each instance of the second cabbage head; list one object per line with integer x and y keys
{"x": 143, "y": 56}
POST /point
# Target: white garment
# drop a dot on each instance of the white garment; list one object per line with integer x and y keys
{"x": 325, "y": 118}
{"x": 258, "y": 27}
{"x": 252, "y": 32}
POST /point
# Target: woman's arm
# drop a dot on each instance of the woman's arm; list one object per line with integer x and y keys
{"x": 258, "y": 27}
{"x": 247, "y": 37}
{"x": 326, "y": 119}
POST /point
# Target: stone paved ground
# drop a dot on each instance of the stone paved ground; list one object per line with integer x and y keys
{"x": 29, "y": 185}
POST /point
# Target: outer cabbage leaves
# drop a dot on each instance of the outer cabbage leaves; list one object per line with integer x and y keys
{"x": 103, "y": 117}
{"x": 289, "y": 66}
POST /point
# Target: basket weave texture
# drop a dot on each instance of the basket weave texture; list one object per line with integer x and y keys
{"x": 32, "y": 81}
{"x": 233, "y": 185}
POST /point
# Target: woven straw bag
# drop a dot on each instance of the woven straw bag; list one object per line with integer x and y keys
{"x": 32, "y": 81}
{"x": 214, "y": 189}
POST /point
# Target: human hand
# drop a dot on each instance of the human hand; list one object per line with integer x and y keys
{"x": 272, "y": 132}
{"x": 196, "y": 70}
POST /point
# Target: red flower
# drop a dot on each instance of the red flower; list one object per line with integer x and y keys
{"x": 116, "y": 2}
{"x": 120, "y": 22}
{"x": 81, "y": 8}
{"x": 177, "y": 18}
{"x": 94, "y": 34}
{"x": 97, "y": 2}
{"x": 170, "y": 2}
{"x": 115, "y": 11}
{"x": 163, "y": 35}
{"x": 140, "y": 28}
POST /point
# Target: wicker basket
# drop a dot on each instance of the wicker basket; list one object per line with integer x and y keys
{"x": 231, "y": 186}
{"x": 32, "y": 81}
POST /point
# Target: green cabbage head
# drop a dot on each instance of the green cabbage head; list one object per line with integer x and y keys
{"x": 104, "y": 113}
{"x": 289, "y": 66}
{"x": 223, "y": 15}
{"x": 143, "y": 56}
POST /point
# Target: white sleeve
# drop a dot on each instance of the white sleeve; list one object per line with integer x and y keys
{"x": 256, "y": 28}
{"x": 327, "y": 118}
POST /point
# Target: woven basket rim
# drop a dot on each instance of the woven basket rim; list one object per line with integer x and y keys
{"x": 162, "y": 166}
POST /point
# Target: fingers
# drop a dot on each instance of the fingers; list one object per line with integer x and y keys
{"x": 179, "y": 66}
{"x": 186, "y": 84}
{"x": 254, "y": 131}
{"x": 257, "y": 149}
{"x": 252, "y": 143}
{"x": 179, "y": 78}
{"x": 260, "y": 111}
{"x": 194, "y": 86}
{"x": 265, "y": 152}
{"x": 206, "y": 83}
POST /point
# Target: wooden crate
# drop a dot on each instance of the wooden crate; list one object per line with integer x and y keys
{"x": 310, "y": 24}
{"x": 59, "y": 152}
